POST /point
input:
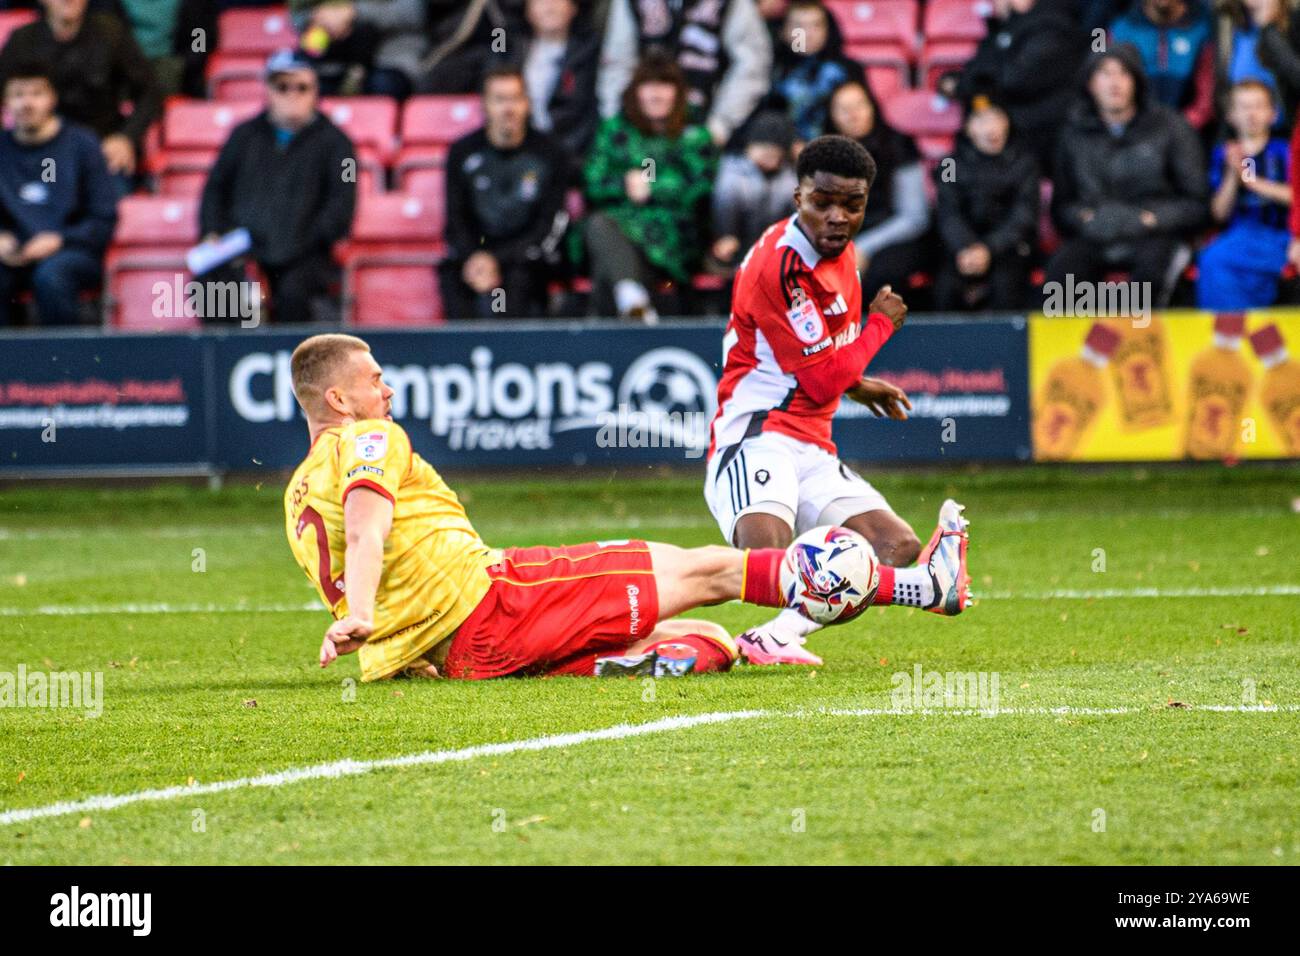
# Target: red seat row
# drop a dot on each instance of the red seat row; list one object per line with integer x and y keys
{"x": 388, "y": 261}
{"x": 412, "y": 141}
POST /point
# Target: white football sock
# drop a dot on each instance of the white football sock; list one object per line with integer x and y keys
{"x": 790, "y": 625}
{"x": 913, "y": 586}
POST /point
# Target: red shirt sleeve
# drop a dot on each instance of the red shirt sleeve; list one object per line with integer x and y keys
{"x": 840, "y": 369}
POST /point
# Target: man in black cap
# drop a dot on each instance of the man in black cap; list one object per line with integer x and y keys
{"x": 288, "y": 176}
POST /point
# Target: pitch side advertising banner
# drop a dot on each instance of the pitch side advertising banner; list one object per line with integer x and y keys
{"x": 80, "y": 403}
{"x": 1179, "y": 385}
{"x": 529, "y": 395}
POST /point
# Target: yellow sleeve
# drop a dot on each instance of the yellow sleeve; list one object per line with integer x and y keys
{"x": 374, "y": 454}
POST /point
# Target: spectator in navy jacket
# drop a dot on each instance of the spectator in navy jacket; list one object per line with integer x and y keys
{"x": 57, "y": 202}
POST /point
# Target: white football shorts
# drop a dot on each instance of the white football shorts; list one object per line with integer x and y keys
{"x": 802, "y": 484}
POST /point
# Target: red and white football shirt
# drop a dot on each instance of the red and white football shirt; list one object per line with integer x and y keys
{"x": 790, "y": 309}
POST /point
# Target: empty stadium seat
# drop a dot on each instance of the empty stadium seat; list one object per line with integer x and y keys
{"x": 430, "y": 124}
{"x": 932, "y": 119}
{"x": 923, "y": 113}
{"x": 881, "y": 22}
{"x": 427, "y": 182}
{"x": 156, "y": 221}
{"x": 390, "y": 260}
{"x": 255, "y": 30}
{"x": 943, "y": 56}
{"x": 885, "y": 80}
{"x": 371, "y": 124}
{"x": 11, "y": 20}
{"x": 236, "y": 76}
{"x": 189, "y": 137}
{"x": 947, "y": 20}
{"x": 149, "y": 245}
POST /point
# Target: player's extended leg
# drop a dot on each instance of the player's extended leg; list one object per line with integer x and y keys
{"x": 687, "y": 578}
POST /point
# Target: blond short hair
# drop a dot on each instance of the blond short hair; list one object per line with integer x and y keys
{"x": 314, "y": 364}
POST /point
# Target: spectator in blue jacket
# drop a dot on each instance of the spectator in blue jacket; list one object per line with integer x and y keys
{"x": 58, "y": 204}
{"x": 1173, "y": 38}
{"x": 1239, "y": 268}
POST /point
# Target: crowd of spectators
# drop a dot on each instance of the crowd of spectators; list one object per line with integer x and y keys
{"x": 642, "y": 143}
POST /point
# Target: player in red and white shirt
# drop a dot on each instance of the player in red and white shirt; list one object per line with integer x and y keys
{"x": 795, "y": 344}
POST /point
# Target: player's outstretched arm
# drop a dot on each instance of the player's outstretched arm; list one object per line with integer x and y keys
{"x": 367, "y": 520}
{"x": 842, "y": 369}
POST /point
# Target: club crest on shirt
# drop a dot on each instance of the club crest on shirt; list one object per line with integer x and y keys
{"x": 372, "y": 447}
{"x": 804, "y": 318}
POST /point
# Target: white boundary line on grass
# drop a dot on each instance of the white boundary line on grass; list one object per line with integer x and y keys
{"x": 1061, "y": 594}
{"x": 352, "y": 768}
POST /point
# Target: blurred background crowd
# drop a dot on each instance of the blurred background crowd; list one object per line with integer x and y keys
{"x": 413, "y": 162}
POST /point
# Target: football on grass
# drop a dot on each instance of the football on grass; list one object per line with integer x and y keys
{"x": 830, "y": 574}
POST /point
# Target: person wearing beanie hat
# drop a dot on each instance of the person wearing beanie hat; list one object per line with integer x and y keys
{"x": 753, "y": 189}
{"x": 987, "y": 214}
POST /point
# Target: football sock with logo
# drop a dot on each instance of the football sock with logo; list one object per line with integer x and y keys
{"x": 761, "y": 583}
{"x": 910, "y": 587}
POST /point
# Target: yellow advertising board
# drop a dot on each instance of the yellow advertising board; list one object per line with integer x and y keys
{"x": 1179, "y": 385}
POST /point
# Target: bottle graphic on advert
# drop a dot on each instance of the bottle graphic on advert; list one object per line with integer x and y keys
{"x": 1279, "y": 390}
{"x": 1140, "y": 366}
{"x": 1072, "y": 396}
{"x": 1218, "y": 385}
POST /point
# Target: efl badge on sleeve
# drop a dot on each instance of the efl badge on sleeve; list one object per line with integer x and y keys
{"x": 804, "y": 318}
{"x": 372, "y": 447}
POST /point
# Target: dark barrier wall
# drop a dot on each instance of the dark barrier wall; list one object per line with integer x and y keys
{"x": 474, "y": 397}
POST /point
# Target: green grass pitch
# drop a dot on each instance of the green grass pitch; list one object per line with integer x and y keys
{"x": 209, "y": 675}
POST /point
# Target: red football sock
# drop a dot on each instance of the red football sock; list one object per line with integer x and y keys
{"x": 711, "y": 656}
{"x": 762, "y": 581}
{"x": 885, "y": 593}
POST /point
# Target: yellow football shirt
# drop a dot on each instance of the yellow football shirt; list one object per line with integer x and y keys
{"x": 435, "y": 564}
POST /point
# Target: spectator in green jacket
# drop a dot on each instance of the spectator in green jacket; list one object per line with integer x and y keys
{"x": 648, "y": 177}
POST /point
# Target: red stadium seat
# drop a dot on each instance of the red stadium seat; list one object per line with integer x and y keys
{"x": 942, "y": 57}
{"x": 439, "y": 120}
{"x": 427, "y": 182}
{"x": 156, "y": 221}
{"x": 191, "y": 134}
{"x": 369, "y": 121}
{"x": 393, "y": 293}
{"x": 236, "y": 76}
{"x": 430, "y": 124}
{"x": 255, "y": 30}
{"x": 947, "y": 20}
{"x": 877, "y": 21}
{"x": 149, "y": 245}
{"x": 885, "y": 81}
{"x": 390, "y": 261}
{"x": 923, "y": 113}
{"x": 11, "y": 20}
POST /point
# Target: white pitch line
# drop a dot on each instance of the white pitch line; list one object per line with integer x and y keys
{"x": 60, "y": 610}
{"x": 1063, "y": 594}
{"x": 1073, "y": 594}
{"x": 352, "y": 768}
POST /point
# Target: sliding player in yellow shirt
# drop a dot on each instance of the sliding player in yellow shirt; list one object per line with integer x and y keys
{"x": 414, "y": 589}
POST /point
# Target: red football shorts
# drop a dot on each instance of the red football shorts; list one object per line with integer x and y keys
{"x": 554, "y": 610}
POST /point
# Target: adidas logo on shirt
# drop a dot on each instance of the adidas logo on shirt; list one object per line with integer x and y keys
{"x": 838, "y": 307}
